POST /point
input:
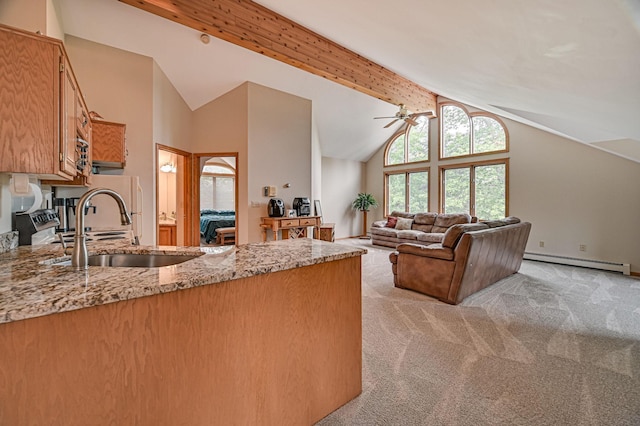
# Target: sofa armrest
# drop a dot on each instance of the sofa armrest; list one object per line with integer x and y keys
{"x": 379, "y": 224}
{"x": 435, "y": 251}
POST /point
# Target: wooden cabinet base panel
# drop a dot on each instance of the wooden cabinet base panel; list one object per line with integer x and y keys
{"x": 279, "y": 348}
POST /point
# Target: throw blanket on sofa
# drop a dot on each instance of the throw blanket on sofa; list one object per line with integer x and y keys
{"x": 210, "y": 220}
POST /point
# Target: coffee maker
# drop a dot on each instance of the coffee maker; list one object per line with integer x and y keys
{"x": 276, "y": 207}
{"x": 302, "y": 206}
{"x": 66, "y": 209}
{"x": 60, "y": 206}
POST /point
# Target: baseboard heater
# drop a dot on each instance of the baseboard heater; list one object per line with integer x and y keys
{"x": 625, "y": 268}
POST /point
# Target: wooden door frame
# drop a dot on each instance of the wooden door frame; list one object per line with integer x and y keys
{"x": 195, "y": 179}
{"x": 187, "y": 187}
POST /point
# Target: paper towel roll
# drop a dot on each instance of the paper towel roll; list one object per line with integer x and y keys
{"x": 37, "y": 198}
{"x": 19, "y": 184}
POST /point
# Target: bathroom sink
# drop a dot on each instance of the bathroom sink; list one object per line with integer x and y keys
{"x": 134, "y": 260}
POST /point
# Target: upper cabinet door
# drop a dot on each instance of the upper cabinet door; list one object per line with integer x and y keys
{"x": 109, "y": 146}
{"x": 38, "y": 107}
{"x": 69, "y": 119}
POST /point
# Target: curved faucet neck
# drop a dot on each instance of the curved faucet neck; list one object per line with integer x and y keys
{"x": 79, "y": 258}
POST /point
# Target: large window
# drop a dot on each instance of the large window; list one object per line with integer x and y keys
{"x": 410, "y": 146}
{"x": 479, "y": 189}
{"x": 217, "y": 186}
{"x": 466, "y": 134}
{"x": 407, "y": 191}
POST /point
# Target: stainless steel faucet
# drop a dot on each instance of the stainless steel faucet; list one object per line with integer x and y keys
{"x": 79, "y": 257}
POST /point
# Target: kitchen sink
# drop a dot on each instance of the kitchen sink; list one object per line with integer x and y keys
{"x": 134, "y": 260}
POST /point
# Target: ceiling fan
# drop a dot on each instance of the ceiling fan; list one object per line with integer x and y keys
{"x": 402, "y": 114}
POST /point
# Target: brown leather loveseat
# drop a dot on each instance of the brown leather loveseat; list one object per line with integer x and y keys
{"x": 471, "y": 257}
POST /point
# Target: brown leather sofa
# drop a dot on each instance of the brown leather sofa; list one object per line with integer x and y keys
{"x": 425, "y": 228}
{"x": 471, "y": 257}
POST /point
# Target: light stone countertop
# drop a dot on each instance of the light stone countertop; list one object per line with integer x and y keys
{"x": 30, "y": 286}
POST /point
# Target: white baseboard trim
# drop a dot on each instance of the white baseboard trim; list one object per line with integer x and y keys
{"x": 625, "y": 268}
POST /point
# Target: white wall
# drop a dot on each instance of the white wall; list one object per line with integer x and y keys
{"x": 342, "y": 180}
{"x": 172, "y": 117}
{"x": 119, "y": 86}
{"x": 5, "y": 203}
{"x": 221, "y": 126}
{"x": 375, "y": 185}
{"x": 280, "y": 150}
{"x": 316, "y": 164}
{"x": 572, "y": 194}
{"x": 29, "y": 15}
{"x": 167, "y": 193}
{"x": 271, "y": 132}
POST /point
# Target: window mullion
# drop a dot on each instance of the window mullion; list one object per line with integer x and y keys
{"x": 472, "y": 149}
{"x": 472, "y": 191}
{"x": 406, "y": 145}
{"x": 406, "y": 191}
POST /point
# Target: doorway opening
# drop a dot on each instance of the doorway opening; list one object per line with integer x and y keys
{"x": 173, "y": 197}
{"x": 216, "y": 197}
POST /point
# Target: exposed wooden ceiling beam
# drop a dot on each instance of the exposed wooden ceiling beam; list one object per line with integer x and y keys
{"x": 261, "y": 30}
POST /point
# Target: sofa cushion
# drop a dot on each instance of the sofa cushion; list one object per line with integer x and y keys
{"x": 379, "y": 224}
{"x": 424, "y": 221}
{"x": 444, "y": 221}
{"x": 432, "y": 237}
{"x": 403, "y": 223}
{"x": 406, "y": 215}
{"x": 388, "y": 232}
{"x": 454, "y": 233}
{"x": 421, "y": 228}
{"x": 391, "y": 222}
{"x": 408, "y": 234}
{"x": 425, "y": 218}
{"x": 434, "y": 250}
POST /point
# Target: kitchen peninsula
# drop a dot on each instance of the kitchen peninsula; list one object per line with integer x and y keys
{"x": 265, "y": 333}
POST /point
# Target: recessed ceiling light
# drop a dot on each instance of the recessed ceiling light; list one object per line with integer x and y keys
{"x": 204, "y": 38}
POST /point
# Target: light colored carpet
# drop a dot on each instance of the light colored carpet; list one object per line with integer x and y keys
{"x": 550, "y": 345}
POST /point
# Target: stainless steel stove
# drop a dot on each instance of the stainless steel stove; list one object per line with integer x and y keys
{"x": 118, "y": 234}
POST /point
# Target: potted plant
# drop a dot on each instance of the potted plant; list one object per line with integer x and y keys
{"x": 364, "y": 202}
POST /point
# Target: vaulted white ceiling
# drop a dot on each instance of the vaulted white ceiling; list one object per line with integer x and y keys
{"x": 571, "y": 67}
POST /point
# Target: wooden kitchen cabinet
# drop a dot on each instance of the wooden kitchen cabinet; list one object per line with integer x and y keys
{"x": 39, "y": 108}
{"x": 109, "y": 148}
{"x": 167, "y": 235}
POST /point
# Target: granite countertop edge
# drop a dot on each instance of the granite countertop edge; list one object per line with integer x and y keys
{"x": 31, "y": 285}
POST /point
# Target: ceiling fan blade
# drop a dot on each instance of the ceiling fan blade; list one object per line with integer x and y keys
{"x": 411, "y": 121}
{"x": 390, "y": 123}
{"x": 375, "y": 118}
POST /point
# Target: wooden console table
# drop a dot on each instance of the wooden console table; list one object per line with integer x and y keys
{"x": 292, "y": 227}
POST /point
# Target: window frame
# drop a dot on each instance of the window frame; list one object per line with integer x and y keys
{"x": 405, "y": 132}
{"x": 470, "y": 115}
{"x": 472, "y": 199}
{"x": 406, "y": 172}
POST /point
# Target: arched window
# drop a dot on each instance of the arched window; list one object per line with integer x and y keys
{"x": 410, "y": 146}
{"x": 466, "y": 134}
{"x": 408, "y": 189}
{"x": 395, "y": 151}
